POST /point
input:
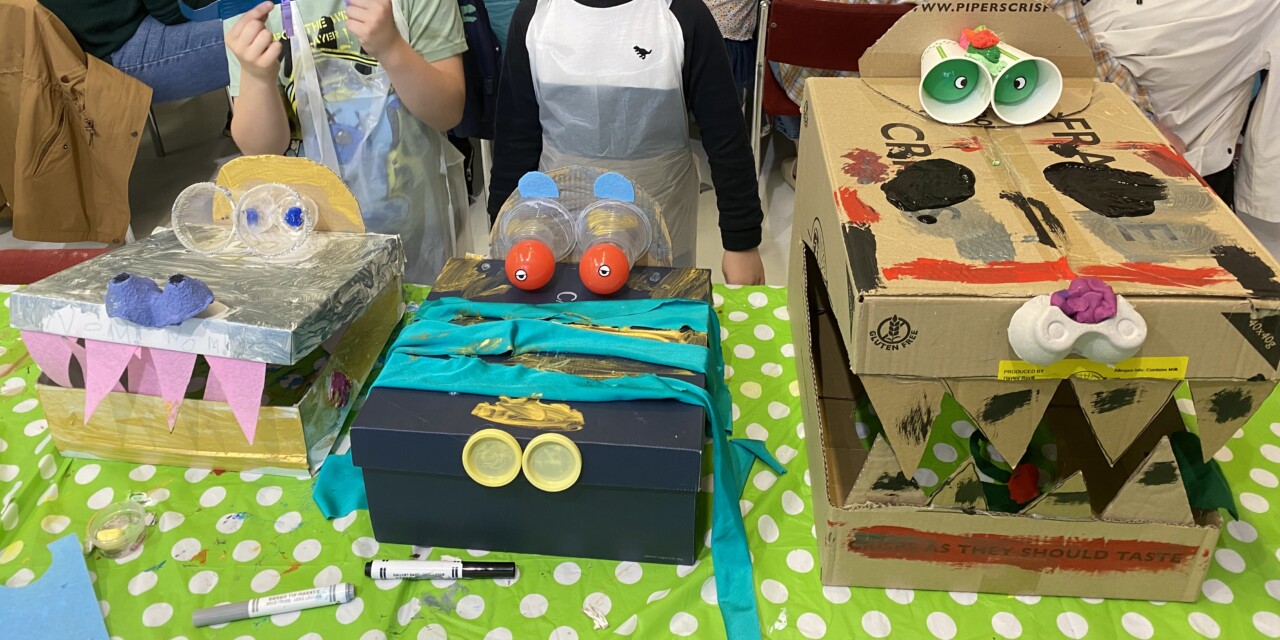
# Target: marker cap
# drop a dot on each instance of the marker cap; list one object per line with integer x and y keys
{"x": 552, "y": 462}
{"x": 491, "y": 457}
{"x": 488, "y": 570}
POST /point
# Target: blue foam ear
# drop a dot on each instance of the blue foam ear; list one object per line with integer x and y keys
{"x": 61, "y": 602}
{"x": 615, "y": 186}
{"x": 536, "y": 184}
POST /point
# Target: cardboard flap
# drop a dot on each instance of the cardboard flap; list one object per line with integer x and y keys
{"x": 1223, "y": 407}
{"x": 1068, "y": 500}
{"x": 1119, "y": 410}
{"x": 1006, "y": 412}
{"x": 907, "y": 408}
{"x": 882, "y": 481}
{"x": 1154, "y": 493}
{"x": 892, "y": 65}
{"x": 963, "y": 490}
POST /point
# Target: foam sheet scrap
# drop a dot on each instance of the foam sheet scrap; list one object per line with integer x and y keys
{"x": 52, "y": 354}
{"x": 61, "y": 602}
{"x": 172, "y": 371}
{"x": 240, "y": 384}
{"x": 106, "y": 362}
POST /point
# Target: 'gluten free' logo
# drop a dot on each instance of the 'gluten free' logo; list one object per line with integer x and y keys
{"x": 894, "y": 333}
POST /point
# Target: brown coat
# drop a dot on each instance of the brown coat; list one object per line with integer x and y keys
{"x": 69, "y": 130}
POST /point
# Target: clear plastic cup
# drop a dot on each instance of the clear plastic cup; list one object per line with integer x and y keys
{"x": 203, "y": 218}
{"x": 118, "y": 528}
{"x": 275, "y": 221}
{"x": 619, "y": 223}
{"x": 541, "y": 219}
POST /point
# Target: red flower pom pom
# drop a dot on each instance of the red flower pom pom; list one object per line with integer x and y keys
{"x": 1024, "y": 486}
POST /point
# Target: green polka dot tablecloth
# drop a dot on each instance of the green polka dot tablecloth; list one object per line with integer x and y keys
{"x": 225, "y": 537}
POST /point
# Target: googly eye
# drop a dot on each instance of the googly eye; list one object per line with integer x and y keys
{"x": 962, "y": 82}
{"x": 521, "y": 275}
{"x": 1019, "y": 83}
{"x": 604, "y": 271}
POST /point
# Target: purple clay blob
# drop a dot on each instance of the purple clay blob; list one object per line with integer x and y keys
{"x": 183, "y": 298}
{"x": 129, "y": 297}
{"x": 293, "y": 217}
{"x": 1086, "y": 300}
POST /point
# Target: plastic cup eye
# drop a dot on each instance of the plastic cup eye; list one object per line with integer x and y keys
{"x": 951, "y": 80}
{"x": 1018, "y": 83}
{"x": 275, "y": 220}
{"x": 552, "y": 462}
{"x": 492, "y": 457}
{"x": 604, "y": 268}
{"x": 203, "y": 218}
{"x": 530, "y": 265}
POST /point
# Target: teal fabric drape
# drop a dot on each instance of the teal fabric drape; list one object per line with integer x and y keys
{"x": 432, "y": 354}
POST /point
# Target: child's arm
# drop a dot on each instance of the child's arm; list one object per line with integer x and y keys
{"x": 517, "y": 143}
{"x": 434, "y": 92}
{"x": 259, "y": 124}
{"x": 712, "y": 96}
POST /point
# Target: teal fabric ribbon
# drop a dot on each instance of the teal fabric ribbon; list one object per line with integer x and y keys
{"x": 339, "y": 487}
{"x": 432, "y": 354}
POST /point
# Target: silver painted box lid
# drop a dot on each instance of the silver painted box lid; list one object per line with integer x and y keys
{"x": 266, "y": 312}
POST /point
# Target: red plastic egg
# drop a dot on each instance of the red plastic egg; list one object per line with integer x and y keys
{"x": 530, "y": 265}
{"x": 604, "y": 268}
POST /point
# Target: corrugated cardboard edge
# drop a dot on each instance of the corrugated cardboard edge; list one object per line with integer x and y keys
{"x": 1154, "y": 493}
{"x": 1223, "y": 407}
{"x": 1007, "y": 413}
{"x": 881, "y": 480}
{"x": 1068, "y": 500}
{"x": 963, "y": 490}
{"x": 1119, "y": 411}
{"x": 892, "y": 65}
{"x": 907, "y": 408}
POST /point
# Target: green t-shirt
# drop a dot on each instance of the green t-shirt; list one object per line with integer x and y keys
{"x": 434, "y": 31}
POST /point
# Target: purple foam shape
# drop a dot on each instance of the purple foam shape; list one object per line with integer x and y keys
{"x": 1086, "y": 300}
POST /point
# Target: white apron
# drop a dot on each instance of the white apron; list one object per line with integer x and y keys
{"x": 610, "y": 96}
{"x": 406, "y": 176}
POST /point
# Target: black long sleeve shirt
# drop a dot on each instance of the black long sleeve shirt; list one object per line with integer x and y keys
{"x": 709, "y": 93}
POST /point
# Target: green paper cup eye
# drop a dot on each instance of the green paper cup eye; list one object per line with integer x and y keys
{"x": 1027, "y": 89}
{"x": 953, "y": 88}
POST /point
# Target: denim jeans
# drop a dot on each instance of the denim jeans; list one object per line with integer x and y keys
{"x": 788, "y": 126}
{"x": 178, "y": 61}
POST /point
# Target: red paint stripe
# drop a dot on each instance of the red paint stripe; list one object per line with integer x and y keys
{"x": 991, "y": 273}
{"x": 967, "y": 145}
{"x": 1053, "y": 553}
{"x": 1162, "y": 157}
{"x": 1159, "y": 274}
{"x": 854, "y": 208}
{"x": 1049, "y": 141}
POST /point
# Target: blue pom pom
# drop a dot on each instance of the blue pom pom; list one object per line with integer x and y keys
{"x": 251, "y": 217}
{"x": 293, "y": 217}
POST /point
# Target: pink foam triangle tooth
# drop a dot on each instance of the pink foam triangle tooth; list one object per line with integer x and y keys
{"x": 173, "y": 368}
{"x": 142, "y": 374}
{"x": 106, "y": 361}
{"x": 212, "y": 390}
{"x": 52, "y": 353}
{"x": 241, "y": 381}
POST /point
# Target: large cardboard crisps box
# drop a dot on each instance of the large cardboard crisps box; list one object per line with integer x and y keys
{"x": 903, "y": 286}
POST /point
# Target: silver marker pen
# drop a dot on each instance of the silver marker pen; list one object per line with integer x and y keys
{"x": 340, "y": 593}
{"x": 437, "y": 569}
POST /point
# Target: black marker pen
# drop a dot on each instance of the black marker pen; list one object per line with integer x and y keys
{"x": 437, "y": 569}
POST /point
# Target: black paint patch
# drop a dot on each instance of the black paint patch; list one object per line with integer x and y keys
{"x": 1230, "y": 404}
{"x": 915, "y": 425}
{"x": 899, "y": 154}
{"x": 1262, "y": 333}
{"x": 1070, "y": 497}
{"x": 1065, "y": 149}
{"x": 1020, "y": 201}
{"x": 1257, "y": 377}
{"x": 1159, "y": 474}
{"x": 1114, "y": 399}
{"x": 1249, "y": 270}
{"x": 1107, "y": 191}
{"x": 969, "y": 492}
{"x": 1051, "y": 221}
{"x": 888, "y": 482}
{"x": 1004, "y": 405}
{"x": 929, "y": 184}
{"x": 860, "y": 243}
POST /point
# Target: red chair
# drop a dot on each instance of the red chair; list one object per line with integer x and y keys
{"x": 25, "y": 266}
{"x": 816, "y": 34}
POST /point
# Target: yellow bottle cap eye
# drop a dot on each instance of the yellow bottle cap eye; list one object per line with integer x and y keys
{"x": 491, "y": 457}
{"x": 552, "y": 462}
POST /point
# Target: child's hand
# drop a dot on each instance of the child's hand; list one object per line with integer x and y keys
{"x": 372, "y": 23}
{"x": 252, "y": 44}
{"x": 743, "y": 267}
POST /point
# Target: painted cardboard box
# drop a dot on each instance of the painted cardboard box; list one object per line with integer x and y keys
{"x": 262, "y": 380}
{"x": 914, "y": 397}
{"x": 638, "y": 494}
